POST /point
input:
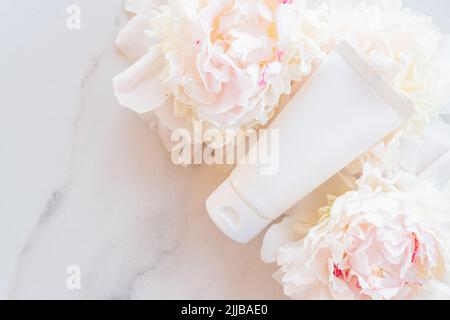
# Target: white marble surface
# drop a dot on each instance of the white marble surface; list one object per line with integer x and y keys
{"x": 84, "y": 182}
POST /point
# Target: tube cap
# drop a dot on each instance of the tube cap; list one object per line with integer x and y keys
{"x": 232, "y": 215}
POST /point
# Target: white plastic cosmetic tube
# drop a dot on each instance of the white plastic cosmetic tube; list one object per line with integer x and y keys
{"x": 343, "y": 110}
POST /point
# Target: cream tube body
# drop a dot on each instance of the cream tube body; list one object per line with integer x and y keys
{"x": 340, "y": 112}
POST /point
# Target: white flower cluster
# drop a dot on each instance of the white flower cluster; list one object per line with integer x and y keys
{"x": 388, "y": 239}
{"x": 224, "y": 62}
{"x": 228, "y": 63}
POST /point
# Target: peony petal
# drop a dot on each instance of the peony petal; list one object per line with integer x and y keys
{"x": 264, "y": 11}
{"x": 132, "y": 40}
{"x": 286, "y": 20}
{"x": 138, "y": 88}
{"x": 167, "y": 117}
{"x": 139, "y": 6}
{"x": 277, "y": 236}
{"x": 388, "y": 6}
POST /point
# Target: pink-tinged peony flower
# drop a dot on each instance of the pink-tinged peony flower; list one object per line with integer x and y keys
{"x": 224, "y": 62}
{"x": 387, "y": 240}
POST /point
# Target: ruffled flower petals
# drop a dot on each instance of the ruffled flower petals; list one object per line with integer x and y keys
{"x": 139, "y": 87}
{"x": 229, "y": 67}
{"x": 277, "y": 236}
{"x": 386, "y": 240}
{"x": 132, "y": 39}
{"x": 287, "y": 21}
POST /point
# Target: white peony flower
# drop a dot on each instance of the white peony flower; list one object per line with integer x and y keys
{"x": 389, "y": 239}
{"x": 224, "y": 62}
{"x": 229, "y": 62}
